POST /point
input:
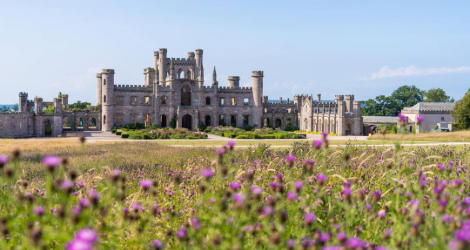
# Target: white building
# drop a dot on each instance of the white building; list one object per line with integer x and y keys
{"x": 434, "y": 114}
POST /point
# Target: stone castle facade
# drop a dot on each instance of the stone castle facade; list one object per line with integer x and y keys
{"x": 174, "y": 89}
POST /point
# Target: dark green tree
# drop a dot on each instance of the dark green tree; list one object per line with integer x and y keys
{"x": 407, "y": 96}
{"x": 4, "y": 109}
{"x": 49, "y": 110}
{"x": 173, "y": 122}
{"x": 381, "y": 106}
{"x": 16, "y": 107}
{"x": 436, "y": 95}
{"x": 79, "y": 105}
{"x": 461, "y": 113}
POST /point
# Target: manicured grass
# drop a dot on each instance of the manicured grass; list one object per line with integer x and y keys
{"x": 458, "y": 136}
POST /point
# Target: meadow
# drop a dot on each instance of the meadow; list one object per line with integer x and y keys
{"x": 144, "y": 195}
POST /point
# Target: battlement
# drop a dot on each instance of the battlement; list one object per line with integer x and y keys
{"x": 133, "y": 88}
{"x": 181, "y": 61}
{"x": 257, "y": 74}
{"x": 107, "y": 71}
{"x": 199, "y": 51}
{"x": 191, "y": 55}
{"x": 98, "y": 75}
{"x": 280, "y": 104}
{"x": 149, "y": 70}
{"x": 23, "y": 94}
{"x": 38, "y": 99}
{"x": 162, "y": 50}
{"x": 239, "y": 89}
{"x": 339, "y": 97}
{"x": 234, "y": 78}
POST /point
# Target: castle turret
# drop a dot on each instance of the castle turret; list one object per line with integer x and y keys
{"x": 57, "y": 106}
{"x": 23, "y": 104}
{"x": 191, "y": 55}
{"x": 257, "y": 83}
{"x": 198, "y": 56}
{"x": 349, "y": 102}
{"x": 200, "y": 77}
{"x": 155, "y": 64}
{"x": 99, "y": 90}
{"x": 65, "y": 99}
{"x": 318, "y": 97}
{"x": 170, "y": 79}
{"x": 357, "y": 109}
{"x": 214, "y": 77}
{"x": 234, "y": 81}
{"x": 107, "y": 76}
{"x": 162, "y": 66}
{"x": 149, "y": 76}
{"x": 38, "y": 105}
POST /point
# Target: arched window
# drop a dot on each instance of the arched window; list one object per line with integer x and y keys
{"x": 163, "y": 101}
{"x": 180, "y": 74}
{"x": 104, "y": 81}
{"x": 186, "y": 95}
{"x": 104, "y": 98}
{"x": 208, "y": 101}
{"x": 104, "y": 119}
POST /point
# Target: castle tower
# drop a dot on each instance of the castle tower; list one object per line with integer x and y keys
{"x": 349, "y": 102}
{"x": 170, "y": 79}
{"x": 149, "y": 76}
{"x": 23, "y": 104}
{"x": 257, "y": 83}
{"x": 200, "y": 77}
{"x": 191, "y": 55}
{"x": 155, "y": 63}
{"x": 198, "y": 56}
{"x": 318, "y": 97}
{"x": 341, "y": 120}
{"x": 234, "y": 81}
{"x": 99, "y": 91}
{"x": 38, "y": 105}
{"x": 58, "y": 106}
{"x": 65, "y": 99}
{"x": 162, "y": 68}
{"x": 108, "y": 99}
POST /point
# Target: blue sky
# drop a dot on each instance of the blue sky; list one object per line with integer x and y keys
{"x": 364, "y": 48}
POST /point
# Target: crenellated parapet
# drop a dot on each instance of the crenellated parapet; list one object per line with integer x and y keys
{"x": 133, "y": 88}
{"x": 225, "y": 89}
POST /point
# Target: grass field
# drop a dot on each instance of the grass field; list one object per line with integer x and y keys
{"x": 299, "y": 197}
{"x": 458, "y": 136}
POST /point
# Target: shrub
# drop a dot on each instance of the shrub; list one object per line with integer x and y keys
{"x": 147, "y": 136}
{"x": 191, "y": 137}
{"x": 118, "y": 132}
{"x": 125, "y": 135}
{"x": 243, "y": 137}
{"x": 135, "y": 136}
{"x": 113, "y": 131}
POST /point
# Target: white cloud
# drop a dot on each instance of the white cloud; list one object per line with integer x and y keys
{"x": 387, "y": 72}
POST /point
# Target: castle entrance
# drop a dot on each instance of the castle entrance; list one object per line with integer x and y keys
{"x": 187, "y": 122}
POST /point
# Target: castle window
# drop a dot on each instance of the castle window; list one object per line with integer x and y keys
{"x": 233, "y": 121}
{"x": 133, "y": 118}
{"x": 163, "y": 100}
{"x": 208, "y": 101}
{"x": 1, "y": 126}
{"x": 147, "y": 100}
{"x": 234, "y": 101}
{"x": 120, "y": 100}
{"x": 104, "y": 119}
{"x": 133, "y": 100}
{"x": 186, "y": 95}
{"x": 442, "y": 118}
{"x": 246, "y": 120}
{"x": 221, "y": 120}
{"x": 222, "y": 101}
{"x": 246, "y": 101}
{"x": 104, "y": 81}
{"x": 104, "y": 98}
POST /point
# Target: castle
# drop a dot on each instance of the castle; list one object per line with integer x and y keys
{"x": 174, "y": 89}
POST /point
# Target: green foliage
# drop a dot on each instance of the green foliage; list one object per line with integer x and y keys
{"x": 408, "y": 95}
{"x": 461, "y": 113}
{"x": 124, "y": 135}
{"x": 15, "y": 107}
{"x": 173, "y": 122}
{"x": 404, "y": 96}
{"x": 79, "y": 105}
{"x": 4, "y": 109}
{"x": 48, "y": 130}
{"x": 436, "y": 127}
{"x": 49, "y": 110}
{"x": 202, "y": 127}
{"x": 290, "y": 127}
{"x": 436, "y": 95}
{"x": 113, "y": 131}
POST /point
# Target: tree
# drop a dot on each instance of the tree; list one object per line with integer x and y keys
{"x": 15, "y": 107}
{"x": 79, "y": 105}
{"x": 407, "y": 95}
{"x": 436, "y": 95}
{"x": 4, "y": 109}
{"x": 49, "y": 110}
{"x": 381, "y": 106}
{"x": 461, "y": 113}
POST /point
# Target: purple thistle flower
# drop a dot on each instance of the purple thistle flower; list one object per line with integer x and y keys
{"x": 309, "y": 218}
{"x": 78, "y": 245}
{"x": 66, "y": 184}
{"x": 157, "y": 245}
{"x": 76, "y": 210}
{"x": 290, "y": 243}
{"x": 402, "y": 117}
{"x": 321, "y": 178}
{"x": 235, "y": 185}
{"x": 356, "y": 243}
{"x": 231, "y": 144}
{"x": 146, "y": 184}
{"x": 3, "y": 160}
{"x": 317, "y": 144}
{"x": 181, "y": 234}
{"x": 51, "y": 161}
{"x": 341, "y": 236}
{"x": 446, "y": 218}
{"x": 87, "y": 235}
{"x": 346, "y": 191}
{"x": 83, "y": 203}
{"x": 195, "y": 223}
{"x": 238, "y": 198}
{"x": 38, "y": 211}
{"x": 298, "y": 186}
{"x": 290, "y": 158}
{"x": 324, "y": 134}
{"x": 324, "y": 237}
{"x": 256, "y": 190}
{"x": 220, "y": 152}
{"x": 291, "y": 195}
{"x": 419, "y": 119}
{"x": 208, "y": 173}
